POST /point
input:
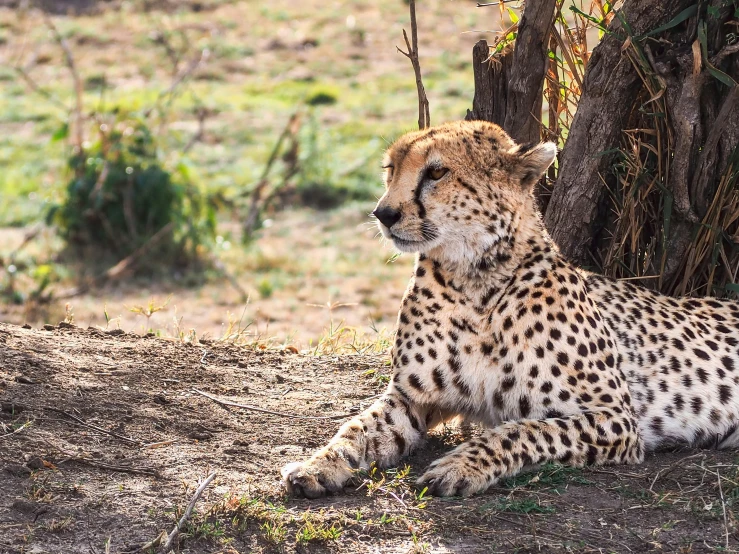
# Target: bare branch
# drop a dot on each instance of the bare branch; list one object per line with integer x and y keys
{"x": 118, "y": 269}
{"x": 169, "y": 545}
{"x": 78, "y": 88}
{"x": 424, "y": 118}
{"x": 263, "y": 411}
{"x": 25, "y": 74}
{"x": 202, "y": 115}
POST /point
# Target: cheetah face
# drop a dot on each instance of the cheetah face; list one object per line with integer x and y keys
{"x": 456, "y": 190}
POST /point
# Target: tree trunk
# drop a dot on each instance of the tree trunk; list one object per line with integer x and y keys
{"x": 491, "y": 84}
{"x": 508, "y": 87}
{"x": 646, "y": 185}
{"x": 611, "y": 81}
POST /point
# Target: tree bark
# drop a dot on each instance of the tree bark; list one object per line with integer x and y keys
{"x": 508, "y": 87}
{"x": 491, "y": 84}
{"x": 611, "y": 83}
{"x": 529, "y": 65}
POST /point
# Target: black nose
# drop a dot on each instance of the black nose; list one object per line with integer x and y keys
{"x": 387, "y": 216}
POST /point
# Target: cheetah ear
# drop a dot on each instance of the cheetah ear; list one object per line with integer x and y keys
{"x": 531, "y": 161}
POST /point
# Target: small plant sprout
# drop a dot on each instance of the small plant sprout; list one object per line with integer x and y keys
{"x": 149, "y": 310}
{"x": 68, "y": 313}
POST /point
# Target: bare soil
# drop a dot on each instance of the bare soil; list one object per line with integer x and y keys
{"x": 103, "y": 442}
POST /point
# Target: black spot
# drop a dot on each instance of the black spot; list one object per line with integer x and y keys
{"x": 415, "y": 382}
{"x": 461, "y": 385}
{"x": 399, "y": 441}
{"x": 702, "y": 375}
{"x": 524, "y": 406}
{"x": 724, "y": 393}
{"x": 701, "y": 354}
{"x": 728, "y": 363}
{"x": 696, "y": 404}
{"x": 438, "y": 377}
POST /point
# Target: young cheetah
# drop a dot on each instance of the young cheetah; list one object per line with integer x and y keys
{"x": 558, "y": 364}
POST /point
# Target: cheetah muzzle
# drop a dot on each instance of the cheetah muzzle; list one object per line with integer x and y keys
{"x": 558, "y": 364}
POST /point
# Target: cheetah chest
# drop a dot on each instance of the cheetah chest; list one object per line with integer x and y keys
{"x": 444, "y": 352}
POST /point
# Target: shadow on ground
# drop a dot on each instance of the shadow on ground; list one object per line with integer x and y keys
{"x": 103, "y": 442}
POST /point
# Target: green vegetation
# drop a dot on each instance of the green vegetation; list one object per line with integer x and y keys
{"x": 247, "y": 92}
{"x": 120, "y": 196}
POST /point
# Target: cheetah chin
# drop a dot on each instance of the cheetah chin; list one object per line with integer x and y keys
{"x": 560, "y": 365}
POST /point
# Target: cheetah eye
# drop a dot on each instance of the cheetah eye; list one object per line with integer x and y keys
{"x": 389, "y": 170}
{"x": 437, "y": 173}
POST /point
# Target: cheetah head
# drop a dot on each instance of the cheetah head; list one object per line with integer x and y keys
{"x": 456, "y": 191}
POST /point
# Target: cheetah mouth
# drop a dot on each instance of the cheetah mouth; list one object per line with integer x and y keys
{"x": 406, "y": 245}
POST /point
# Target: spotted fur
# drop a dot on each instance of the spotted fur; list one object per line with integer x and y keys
{"x": 558, "y": 364}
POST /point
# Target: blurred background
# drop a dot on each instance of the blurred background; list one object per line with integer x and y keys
{"x": 207, "y": 167}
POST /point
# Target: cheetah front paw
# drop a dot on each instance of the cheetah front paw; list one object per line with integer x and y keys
{"x": 453, "y": 475}
{"x": 317, "y": 476}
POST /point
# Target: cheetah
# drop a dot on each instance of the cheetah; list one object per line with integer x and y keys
{"x": 557, "y": 364}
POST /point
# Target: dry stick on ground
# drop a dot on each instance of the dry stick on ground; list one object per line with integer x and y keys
{"x": 4, "y": 404}
{"x": 21, "y": 428}
{"x": 70, "y": 457}
{"x": 111, "y": 467}
{"x": 723, "y": 508}
{"x": 172, "y": 538}
{"x": 118, "y": 269}
{"x": 262, "y": 410}
{"x": 666, "y": 471}
{"x": 424, "y": 119}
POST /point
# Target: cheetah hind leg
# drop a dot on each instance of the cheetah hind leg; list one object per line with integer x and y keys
{"x": 590, "y": 438}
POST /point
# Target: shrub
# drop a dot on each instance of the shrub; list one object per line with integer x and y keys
{"x": 121, "y": 195}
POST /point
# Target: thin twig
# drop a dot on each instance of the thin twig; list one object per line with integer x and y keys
{"x": 27, "y": 237}
{"x": 6, "y": 435}
{"x": 38, "y": 89}
{"x": 262, "y": 410}
{"x": 102, "y": 465}
{"x": 75, "y": 418}
{"x": 178, "y": 79}
{"x": 95, "y": 427}
{"x": 152, "y": 544}
{"x": 424, "y": 118}
{"x": 259, "y": 199}
{"x": 723, "y": 508}
{"x": 200, "y": 133}
{"x": 78, "y": 87}
{"x": 665, "y": 471}
{"x": 230, "y": 277}
{"x": 176, "y": 531}
{"x": 118, "y": 269}
{"x": 724, "y": 52}
{"x": 70, "y": 457}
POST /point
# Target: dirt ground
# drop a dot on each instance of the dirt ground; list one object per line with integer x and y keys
{"x": 103, "y": 441}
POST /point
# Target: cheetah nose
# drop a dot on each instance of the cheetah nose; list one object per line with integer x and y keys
{"x": 387, "y": 216}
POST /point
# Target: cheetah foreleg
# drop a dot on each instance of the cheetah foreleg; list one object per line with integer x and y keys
{"x": 382, "y": 434}
{"x": 590, "y": 438}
